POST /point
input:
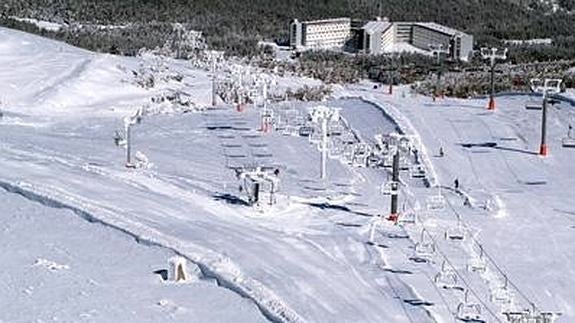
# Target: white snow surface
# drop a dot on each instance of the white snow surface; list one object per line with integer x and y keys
{"x": 306, "y": 259}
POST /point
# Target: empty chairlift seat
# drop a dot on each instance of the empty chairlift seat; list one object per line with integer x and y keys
{"x": 534, "y": 103}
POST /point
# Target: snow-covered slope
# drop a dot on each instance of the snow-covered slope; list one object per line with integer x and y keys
{"x": 308, "y": 258}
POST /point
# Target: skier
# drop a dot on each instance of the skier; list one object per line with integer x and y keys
{"x": 456, "y": 183}
{"x": 441, "y": 152}
{"x": 569, "y": 132}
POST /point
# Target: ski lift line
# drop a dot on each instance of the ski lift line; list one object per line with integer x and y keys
{"x": 435, "y": 287}
{"x": 467, "y": 285}
{"x": 431, "y": 281}
{"x": 492, "y": 260}
{"x": 459, "y": 217}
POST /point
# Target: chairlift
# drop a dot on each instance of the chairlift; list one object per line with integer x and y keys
{"x": 289, "y": 130}
{"x": 424, "y": 251}
{"x": 417, "y": 171}
{"x": 335, "y": 128}
{"x": 305, "y": 131}
{"x": 455, "y": 233}
{"x": 390, "y": 188}
{"x": 336, "y": 149}
{"x": 315, "y": 136}
{"x": 502, "y": 294}
{"x": 447, "y": 278}
{"x": 348, "y": 153}
{"x": 568, "y": 142}
{"x": 360, "y": 155}
{"x": 374, "y": 160}
{"x": 404, "y": 163}
{"x": 435, "y": 202}
{"x": 469, "y": 312}
{"x": 530, "y": 316}
{"x": 534, "y": 103}
{"x": 478, "y": 264}
{"x": 408, "y": 218}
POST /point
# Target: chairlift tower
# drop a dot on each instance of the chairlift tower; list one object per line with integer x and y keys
{"x": 493, "y": 54}
{"x": 438, "y": 50}
{"x": 401, "y": 144}
{"x": 394, "y": 215}
{"x": 323, "y": 115}
{"x": 550, "y": 86}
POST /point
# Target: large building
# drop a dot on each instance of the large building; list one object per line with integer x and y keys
{"x": 328, "y": 33}
{"x": 382, "y": 36}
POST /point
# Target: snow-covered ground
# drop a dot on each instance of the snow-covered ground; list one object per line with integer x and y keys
{"x": 306, "y": 259}
{"x": 57, "y": 267}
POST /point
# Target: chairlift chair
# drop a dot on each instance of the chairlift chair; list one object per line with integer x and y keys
{"x": 408, "y": 218}
{"x": 388, "y": 161}
{"x": 455, "y": 233}
{"x": 447, "y": 279}
{"x": 336, "y": 149}
{"x": 348, "y": 152}
{"x": 390, "y": 188}
{"x": 335, "y": 128}
{"x": 315, "y": 136}
{"x": 360, "y": 155}
{"x": 305, "y": 131}
{"x": 568, "y": 142}
{"x": 435, "y": 202}
{"x": 417, "y": 171}
{"x": 373, "y": 160}
{"x": 477, "y": 264}
{"x": 501, "y": 294}
{"x": 534, "y": 103}
{"x": 424, "y": 251}
{"x": 469, "y": 312}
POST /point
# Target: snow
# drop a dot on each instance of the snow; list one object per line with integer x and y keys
{"x": 405, "y": 48}
{"x": 535, "y": 41}
{"x": 42, "y": 24}
{"x": 58, "y": 267}
{"x": 307, "y": 258}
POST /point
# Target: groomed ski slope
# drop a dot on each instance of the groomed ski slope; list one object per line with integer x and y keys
{"x": 307, "y": 259}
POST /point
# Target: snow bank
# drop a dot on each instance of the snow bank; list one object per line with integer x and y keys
{"x": 212, "y": 264}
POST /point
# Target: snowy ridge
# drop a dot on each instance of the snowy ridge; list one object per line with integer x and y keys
{"x": 212, "y": 264}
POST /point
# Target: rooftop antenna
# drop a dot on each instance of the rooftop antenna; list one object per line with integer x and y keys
{"x": 493, "y": 54}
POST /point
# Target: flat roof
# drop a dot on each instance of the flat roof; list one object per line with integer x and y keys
{"x": 323, "y": 21}
{"x": 376, "y": 26}
{"x": 440, "y": 28}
